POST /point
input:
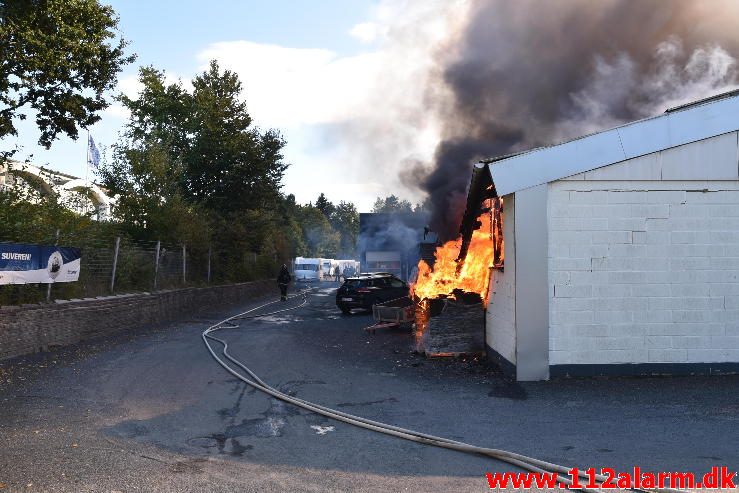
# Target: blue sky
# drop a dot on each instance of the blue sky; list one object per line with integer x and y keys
{"x": 168, "y": 33}
{"x": 333, "y": 75}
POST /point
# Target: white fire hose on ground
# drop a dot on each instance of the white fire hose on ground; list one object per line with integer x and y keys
{"x": 522, "y": 461}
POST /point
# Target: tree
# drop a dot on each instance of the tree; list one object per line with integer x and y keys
{"x": 345, "y": 220}
{"x": 160, "y": 114}
{"x": 57, "y": 58}
{"x": 392, "y": 204}
{"x": 229, "y": 165}
{"x": 320, "y": 238}
{"x": 424, "y": 206}
{"x": 324, "y": 205}
{"x": 145, "y": 171}
{"x": 198, "y": 150}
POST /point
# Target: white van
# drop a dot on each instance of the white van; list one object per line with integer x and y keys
{"x": 308, "y": 269}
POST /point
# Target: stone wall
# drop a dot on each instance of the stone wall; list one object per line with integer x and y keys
{"x": 30, "y": 328}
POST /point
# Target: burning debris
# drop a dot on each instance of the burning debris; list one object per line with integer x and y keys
{"x": 458, "y": 269}
{"x": 452, "y": 295}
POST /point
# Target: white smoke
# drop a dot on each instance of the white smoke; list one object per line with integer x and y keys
{"x": 675, "y": 78}
{"x": 709, "y": 70}
{"x": 444, "y": 82}
{"x": 351, "y": 120}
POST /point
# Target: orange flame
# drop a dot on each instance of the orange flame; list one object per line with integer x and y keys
{"x": 472, "y": 274}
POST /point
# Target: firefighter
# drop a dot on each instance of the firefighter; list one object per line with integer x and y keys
{"x": 283, "y": 279}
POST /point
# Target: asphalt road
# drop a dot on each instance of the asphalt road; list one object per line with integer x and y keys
{"x": 152, "y": 411}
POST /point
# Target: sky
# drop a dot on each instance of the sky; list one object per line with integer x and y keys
{"x": 309, "y": 68}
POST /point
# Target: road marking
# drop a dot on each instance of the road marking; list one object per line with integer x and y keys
{"x": 322, "y": 430}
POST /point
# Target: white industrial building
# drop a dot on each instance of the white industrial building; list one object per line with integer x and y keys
{"x": 621, "y": 250}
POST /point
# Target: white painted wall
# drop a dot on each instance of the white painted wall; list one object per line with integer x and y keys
{"x": 501, "y": 313}
{"x": 644, "y": 259}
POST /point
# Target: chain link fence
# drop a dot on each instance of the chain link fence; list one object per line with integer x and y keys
{"x": 112, "y": 264}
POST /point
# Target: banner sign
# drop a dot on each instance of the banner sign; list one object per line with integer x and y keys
{"x": 23, "y": 264}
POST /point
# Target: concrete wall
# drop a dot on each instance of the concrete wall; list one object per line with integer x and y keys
{"x": 30, "y": 328}
{"x": 644, "y": 259}
{"x": 500, "y": 323}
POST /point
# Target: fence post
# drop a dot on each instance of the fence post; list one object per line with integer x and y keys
{"x": 184, "y": 264}
{"x": 115, "y": 263}
{"x": 156, "y": 264}
{"x": 48, "y": 286}
{"x": 209, "y": 250}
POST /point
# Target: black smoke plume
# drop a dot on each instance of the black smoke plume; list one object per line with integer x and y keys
{"x": 527, "y": 73}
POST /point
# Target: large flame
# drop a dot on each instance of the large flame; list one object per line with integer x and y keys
{"x": 472, "y": 274}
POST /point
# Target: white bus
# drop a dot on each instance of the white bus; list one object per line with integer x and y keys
{"x": 308, "y": 269}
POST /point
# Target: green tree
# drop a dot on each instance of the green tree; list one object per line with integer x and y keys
{"x": 198, "y": 150}
{"x": 320, "y": 238}
{"x": 291, "y": 243}
{"x": 392, "y": 204}
{"x": 324, "y": 205}
{"x": 345, "y": 220}
{"x": 145, "y": 171}
{"x": 189, "y": 164}
{"x": 230, "y": 165}
{"x": 160, "y": 113}
{"x": 57, "y": 58}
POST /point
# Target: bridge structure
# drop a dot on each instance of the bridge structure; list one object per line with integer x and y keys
{"x": 78, "y": 194}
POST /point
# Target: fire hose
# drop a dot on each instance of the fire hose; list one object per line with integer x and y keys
{"x": 524, "y": 462}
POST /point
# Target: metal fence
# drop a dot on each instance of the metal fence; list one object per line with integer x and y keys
{"x": 116, "y": 264}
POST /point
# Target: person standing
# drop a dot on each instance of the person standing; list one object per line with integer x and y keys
{"x": 337, "y": 273}
{"x": 283, "y": 279}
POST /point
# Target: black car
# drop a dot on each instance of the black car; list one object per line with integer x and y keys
{"x": 365, "y": 290}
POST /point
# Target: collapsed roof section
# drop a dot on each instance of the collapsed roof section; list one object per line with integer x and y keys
{"x": 481, "y": 188}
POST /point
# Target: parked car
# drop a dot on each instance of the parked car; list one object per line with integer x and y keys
{"x": 365, "y": 290}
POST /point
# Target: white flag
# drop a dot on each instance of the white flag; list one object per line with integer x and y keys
{"x": 93, "y": 155}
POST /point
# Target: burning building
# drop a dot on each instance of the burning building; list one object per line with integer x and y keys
{"x": 452, "y": 290}
{"x": 616, "y": 253}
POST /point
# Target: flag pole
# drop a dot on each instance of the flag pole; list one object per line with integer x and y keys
{"x": 87, "y": 160}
